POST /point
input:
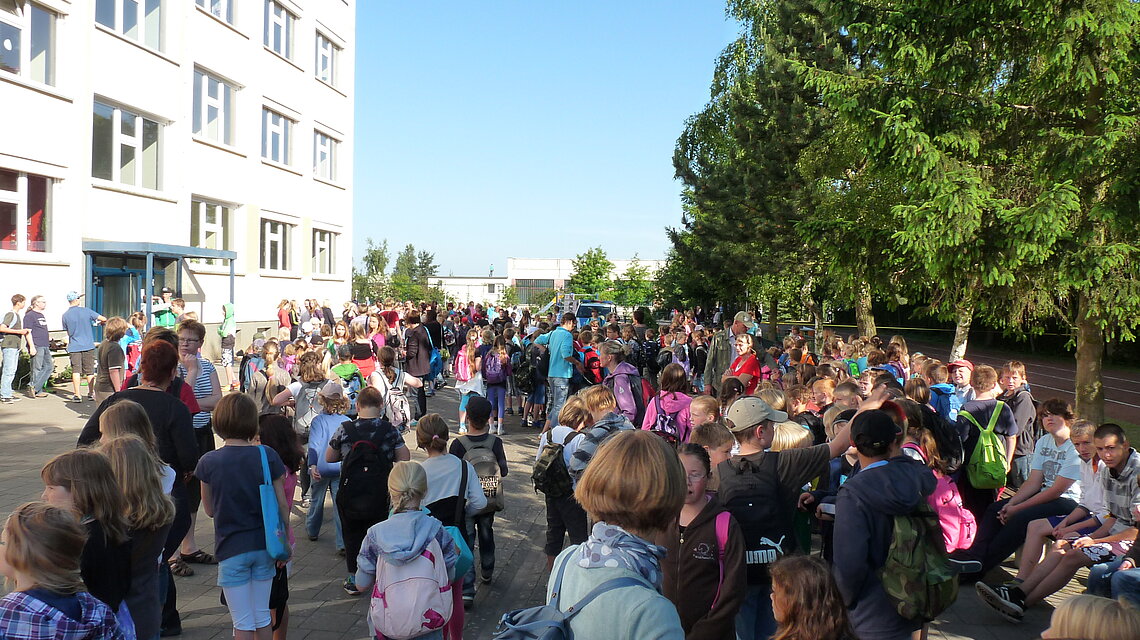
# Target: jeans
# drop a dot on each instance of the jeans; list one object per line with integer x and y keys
{"x": 1018, "y": 471}
{"x": 42, "y": 365}
{"x": 559, "y": 390}
{"x": 316, "y": 515}
{"x": 8, "y": 372}
{"x": 699, "y": 383}
{"x": 755, "y": 620}
{"x": 1100, "y": 578}
{"x": 995, "y": 541}
{"x": 1126, "y": 584}
{"x": 481, "y": 527}
{"x": 1106, "y": 580}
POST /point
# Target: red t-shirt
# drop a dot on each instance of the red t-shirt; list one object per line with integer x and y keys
{"x": 283, "y": 319}
{"x": 747, "y": 365}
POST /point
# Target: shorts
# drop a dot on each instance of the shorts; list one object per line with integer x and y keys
{"x": 228, "y": 343}
{"x": 1106, "y": 551}
{"x": 1056, "y": 520}
{"x": 82, "y": 362}
{"x": 538, "y": 396}
{"x": 245, "y": 568}
{"x": 463, "y": 401}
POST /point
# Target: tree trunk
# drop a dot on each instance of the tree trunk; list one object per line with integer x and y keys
{"x": 864, "y": 314}
{"x": 1089, "y": 388}
{"x": 773, "y": 321}
{"x": 962, "y": 330}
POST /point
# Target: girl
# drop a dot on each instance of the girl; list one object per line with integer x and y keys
{"x": 289, "y": 360}
{"x": 339, "y": 337}
{"x": 377, "y": 331}
{"x": 706, "y": 592}
{"x": 806, "y": 601}
{"x": 325, "y": 475}
{"x": 111, "y": 359}
{"x": 672, "y": 402}
{"x": 132, "y": 340}
{"x": 284, "y": 320}
{"x": 128, "y": 418}
{"x": 497, "y": 391}
{"x": 82, "y": 481}
{"x": 730, "y": 390}
{"x": 388, "y": 379}
{"x": 466, "y": 366}
{"x": 405, "y": 535}
{"x": 40, "y": 553}
{"x": 270, "y": 381}
{"x": 745, "y": 367}
{"x": 230, "y": 479}
{"x": 363, "y": 348}
{"x": 276, "y": 432}
{"x": 149, "y": 513}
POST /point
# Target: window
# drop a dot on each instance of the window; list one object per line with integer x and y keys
{"x": 25, "y": 212}
{"x": 328, "y": 55}
{"x": 136, "y": 19}
{"x": 491, "y": 288}
{"x": 279, "y": 28}
{"x": 276, "y": 137}
{"x": 275, "y": 245}
{"x": 125, "y": 147}
{"x": 324, "y": 156}
{"x": 209, "y": 227}
{"x": 27, "y": 42}
{"x": 213, "y": 108}
{"x": 220, "y": 9}
{"x": 324, "y": 251}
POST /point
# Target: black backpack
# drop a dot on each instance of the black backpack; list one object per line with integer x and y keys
{"x": 523, "y": 375}
{"x": 363, "y": 493}
{"x": 751, "y": 492}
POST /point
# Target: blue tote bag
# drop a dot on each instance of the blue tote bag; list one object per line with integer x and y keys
{"x": 276, "y": 538}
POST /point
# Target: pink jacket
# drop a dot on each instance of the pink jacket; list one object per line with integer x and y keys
{"x": 671, "y": 402}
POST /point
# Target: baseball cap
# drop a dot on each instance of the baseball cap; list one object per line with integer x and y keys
{"x": 750, "y": 411}
{"x": 167, "y": 290}
{"x": 72, "y": 296}
{"x": 259, "y": 343}
{"x": 343, "y": 351}
{"x": 961, "y": 363}
{"x": 530, "y": 331}
{"x": 478, "y": 409}
{"x": 332, "y": 389}
{"x": 306, "y": 326}
{"x": 744, "y": 318}
{"x": 873, "y": 428}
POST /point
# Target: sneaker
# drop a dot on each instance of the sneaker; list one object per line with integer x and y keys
{"x": 305, "y": 504}
{"x": 499, "y": 430}
{"x": 7, "y": 400}
{"x": 964, "y": 565}
{"x": 485, "y": 578}
{"x": 510, "y": 411}
{"x": 75, "y": 398}
{"x": 312, "y": 538}
{"x": 1007, "y": 602}
{"x": 349, "y": 586}
{"x": 468, "y": 602}
{"x": 462, "y": 430}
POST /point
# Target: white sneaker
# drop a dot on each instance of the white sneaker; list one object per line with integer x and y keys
{"x": 499, "y": 431}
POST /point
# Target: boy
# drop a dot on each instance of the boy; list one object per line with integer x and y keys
{"x": 700, "y": 358}
{"x": 866, "y": 382}
{"x": 1015, "y": 393}
{"x": 846, "y": 395}
{"x": 823, "y": 393}
{"x": 602, "y": 405}
{"x": 349, "y": 375}
{"x": 984, "y": 387}
{"x": 649, "y": 349}
{"x": 1113, "y": 539}
{"x": 485, "y": 453}
{"x": 886, "y": 486}
{"x": 943, "y": 400}
{"x": 961, "y": 373}
{"x": 715, "y": 438}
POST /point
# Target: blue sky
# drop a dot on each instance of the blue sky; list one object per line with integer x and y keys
{"x": 540, "y": 128}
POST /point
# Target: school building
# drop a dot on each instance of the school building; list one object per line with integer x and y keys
{"x": 531, "y": 277}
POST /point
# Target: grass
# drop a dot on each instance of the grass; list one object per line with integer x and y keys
{"x": 1133, "y": 431}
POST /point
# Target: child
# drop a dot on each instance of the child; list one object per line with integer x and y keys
{"x": 649, "y": 349}
{"x": 1093, "y": 618}
{"x": 230, "y": 479}
{"x": 706, "y": 593}
{"x": 485, "y": 453}
{"x": 730, "y": 389}
{"x": 866, "y": 382}
{"x": 700, "y": 359}
{"x": 278, "y": 434}
{"x": 704, "y": 409}
{"x": 40, "y": 555}
{"x": 564, "y": 516}
{"x": 716, "y": 439}
{"x": 404, "y": 537}
{"x": 466, "y": 366}
{"x": 984, "y": 380}
{"x": 82, "y": 481}
{"x": 350, "y": 377}
{"x": 1015, "y": 393}
{"x": 671, "y": 406}
{"x": 806, "y": 601}
{"x": 607, "y": 422}
{"x": 496, "y": 379}
{"x": 228, "y": 333}
{"x": 846, "y": 395}
{"x": 325, "y": 474}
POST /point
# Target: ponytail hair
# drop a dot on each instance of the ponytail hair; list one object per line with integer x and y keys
{"x": 407, "y": 486}
{"x": 617, "y": 349}
{"x": 431, "y": 433}
{"x": 387, "y": 359}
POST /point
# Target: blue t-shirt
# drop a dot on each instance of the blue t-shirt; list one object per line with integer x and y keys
{"x": 78, "y": 322}
{"x": 234, "y": 474}
{"x": 561, "y": 345}
{"x": 36, "y": 321}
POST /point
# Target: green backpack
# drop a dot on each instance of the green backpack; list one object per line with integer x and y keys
{"x": 915, "y": 575}
{"x": 986, "y": 469}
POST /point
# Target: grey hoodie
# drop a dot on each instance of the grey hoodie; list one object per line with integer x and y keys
{"x": 400, "y": 538}
{"x": 864, "y": 522}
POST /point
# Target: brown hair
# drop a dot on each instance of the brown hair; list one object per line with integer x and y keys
{"x": 711, "y": 434}
{"x": 127, "y": 417}
{"x": 311, "y": 367}
{"x": 431, "y": 433}
{"x": 983, "y": 379}
{"x": 917, "y": 390}
{"x": 370, "y": 397}
{"x": 1013, "y": 366}
{"x": 815, "y": 607}
{"x": 1056, "y": 407}
{"x": 574, "y": 413}
{"x": 673, "y": 378}
{"x": 193, "y": 326}
{"x": 334, "y": 404}
{"x": 115, "y": 329}
{"x": 87, "y": 474}
{"x": 598, "y": 398}
{"x": 45, "y": 542}
{"x": 634, "y": 481}
{"x": 236, "y": 417}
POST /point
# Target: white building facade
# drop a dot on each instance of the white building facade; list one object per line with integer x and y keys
{"x": 531, "y": 277}
{"x": 193, "y": 135}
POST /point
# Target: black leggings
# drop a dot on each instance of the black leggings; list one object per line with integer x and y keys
{"x": 564, "y": 517}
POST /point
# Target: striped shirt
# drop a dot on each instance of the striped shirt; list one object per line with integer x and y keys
{"x": 202, "y": 388}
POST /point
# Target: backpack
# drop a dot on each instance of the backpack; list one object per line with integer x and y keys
{"x": 397, "y": 409}
{"x": 986, "y": 469}
{"x": 523, "y": 375}
{"x": 448, "y": 336}
{"x": 666, "y": 425}
{"x": 435, "y": 360}
{"x": 958, "y": 523}
{"x": 412, "y": 598}
{"x": 947, "y": 437}
{"x": 362, "y": 473}
{"x": 549, "y": 621}
{"x": 492, "y": 368}
{"x": 307, "y": 407}
{"x": 852, "y": 367}
{"x": 722, "y": 521}
{"x": 640, "y": 400}
{"x": 481, "y": 455}
{"x": 751, "y": 492}
{"x": 352, "y": 387}
{"x": 940, "y": 401}
{"x": 663, "y": 358}
{"x": 592, "y": 365}
{"x": 550, "y": 475}
{"x": 915, "y": 575}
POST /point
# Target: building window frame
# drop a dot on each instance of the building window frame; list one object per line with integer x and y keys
{"x": 221, "y": 9}
{"x": 325, "y": 151}
{"x": 138, "y": 20}
{"x": 275, "y": 245}
{"x": 211, "y": 235}
{"x": 224, "y": 104}
{"x": 277, "y": 128}
{"x": 19, "y": 192}
{"x": 30, "y": 24}
{"x": 144, "y": 143}
{"x": 327, "y": 64}
{"x": 280, "y": 25}
{"x": 324, "y": 251}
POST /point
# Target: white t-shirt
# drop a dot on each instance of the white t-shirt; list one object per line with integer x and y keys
{"x": 443, "y": 478}
{"x": 1057, "y": 461}
{"x": 1092, "y": 491}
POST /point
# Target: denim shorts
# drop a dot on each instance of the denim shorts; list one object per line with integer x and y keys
{"x": 538, "y": 396}
{"x": 245, "y": 568}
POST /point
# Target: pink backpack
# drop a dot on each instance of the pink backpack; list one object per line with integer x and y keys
{"x": 722, "y": 520}
{"x": 411, "y": 599}
{"x": 958, "y": 523}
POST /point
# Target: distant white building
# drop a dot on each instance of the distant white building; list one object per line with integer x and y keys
{"x": 529, "y": 276}
{"x": 204, "y": 145}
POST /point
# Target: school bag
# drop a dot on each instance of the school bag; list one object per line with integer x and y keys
{"x": 549, "y": 621}
{"x": 550, "y": 475}
{"x": 958, "y": 523}
{"x": 396, "y": 406}
{"x": 492, "y": 368}
{"x": 986, "y": 469}
{"x": 915, "y": 575}
{"x": 448, "y": 336}
{"x": 307, "y": 407}
{"x": 852, "y": 367}
{"x": 947, "y": 437}
{"x": 481, "y": 455}
{"x": 413, "y": 598}
{"x": 592, "y": 365}
{"x": 722, "y": 520}
{"x": 663, "y": 358}
{"x": 640, "y": 400}
{"x": 435, "y": 360}
{"x": 364, "y": 475}
{"x": 666, "y": 424}
{"x": 352, "y": 387}
{"x": 523, "y": 375}
{"x": 751, "y": 492}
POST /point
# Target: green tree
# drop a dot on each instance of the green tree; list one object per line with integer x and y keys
{"x": 370, "y": 281}
{"x": 591, "y": 275}
{"x": 425, "y": 267}
{"x": 508, "y": 297}
{"x": 634, "y": 286}
{"x": 406, "y": 284}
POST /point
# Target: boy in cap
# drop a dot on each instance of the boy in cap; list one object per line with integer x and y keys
{"x": 961, "y": 371}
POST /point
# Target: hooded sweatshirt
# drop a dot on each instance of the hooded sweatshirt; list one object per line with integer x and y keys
{"x": 692, "y": 574}
{"x": 229, "y": 325}
{"x": 671, "y": 402}
{"x": 25, "y": 616}
{"x": 400, "y": 538}
{"x": 864, "y": 513}
{"x": 945, "y": 401}
{"x": 618, "y": 381}
{"x": 603, "y": 429}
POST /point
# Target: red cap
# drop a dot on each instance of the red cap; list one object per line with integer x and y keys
{"x": 961, "y": 363}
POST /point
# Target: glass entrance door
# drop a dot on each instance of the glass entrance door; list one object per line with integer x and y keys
{"x": 118, "y": 292}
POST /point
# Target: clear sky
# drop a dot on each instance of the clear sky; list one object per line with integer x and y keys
{"x": 526, "y": 128}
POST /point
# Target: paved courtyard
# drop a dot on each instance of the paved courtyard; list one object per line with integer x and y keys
{"x": 31, "y": 431}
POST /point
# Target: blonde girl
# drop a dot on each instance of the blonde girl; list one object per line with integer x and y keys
{"x": 82, "y": 480}
{"x": 1094, "y": 618}
{"x": 265, "y": 386}
{"x": 40, "y": 554}
{"x": 467, "y": 363}
{"x": 127, "y": 417}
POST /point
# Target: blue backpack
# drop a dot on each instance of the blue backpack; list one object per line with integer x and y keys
{"x": 435, "y": 363}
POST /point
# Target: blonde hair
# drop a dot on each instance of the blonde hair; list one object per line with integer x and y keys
{"x": 127, "y": 417}
{"x": 707, "y": 405}
{"x": 87, "y": 475}
{"x": 139, "y": 473}
{"x": 431, "y": 433}
{"x": 790, "y": 435}
{"x": 1094, "y": 618}
{"x": 711, "y": 434}
{"x": 407, "y": 486}
{"x": 45, "y": 543}
{"x": 333, "y": 404}
{"x": 574, "y": 413}
{"x": 773, "y": 397}
{"x": 634, "y": 481}
{"x": 598, "y": 398}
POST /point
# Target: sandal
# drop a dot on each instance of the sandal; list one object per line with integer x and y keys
{"x": 180, "y": 568}
{"x": 199, "y": 557}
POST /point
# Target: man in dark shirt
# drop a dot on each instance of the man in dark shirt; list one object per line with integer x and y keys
{"x": 42, "y": 364}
